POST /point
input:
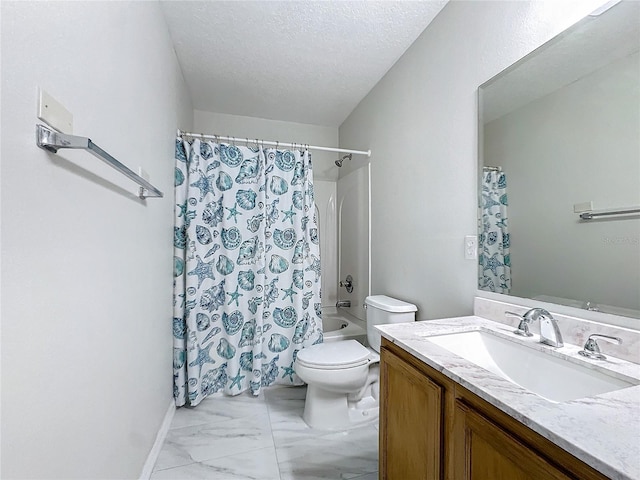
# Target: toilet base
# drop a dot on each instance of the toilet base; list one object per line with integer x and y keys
{"x": 326, "y": 410}
{"x": 365, "y": 411}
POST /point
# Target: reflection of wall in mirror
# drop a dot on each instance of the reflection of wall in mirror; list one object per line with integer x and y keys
{"x": 578, "y": 144}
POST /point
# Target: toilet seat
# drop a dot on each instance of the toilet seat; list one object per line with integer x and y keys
{"x": 335, "y": 355}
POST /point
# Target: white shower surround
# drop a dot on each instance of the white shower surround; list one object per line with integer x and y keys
{"x": 344, "y": 222}
{"x": 325, "y": 196}
{"x": 354, "y": 240}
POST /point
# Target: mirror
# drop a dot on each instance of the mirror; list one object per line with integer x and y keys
{"x": 559, "y": 135}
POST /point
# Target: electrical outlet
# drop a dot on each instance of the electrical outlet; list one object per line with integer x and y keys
{"x": 470, "y": 247}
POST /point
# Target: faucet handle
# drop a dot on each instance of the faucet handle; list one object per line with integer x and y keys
{"x": 523, "y": 326}
{"x": 347, "y": 284}
{"x": 606, "y": 338}
{"x": 592, "y": 349}
{"x": 591, "y": 306}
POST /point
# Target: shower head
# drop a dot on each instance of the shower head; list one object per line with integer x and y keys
{"x": 346, "y": 157}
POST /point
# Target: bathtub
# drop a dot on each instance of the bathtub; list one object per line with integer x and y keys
{"x": 340, "y": 325}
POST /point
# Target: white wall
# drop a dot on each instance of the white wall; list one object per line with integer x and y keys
{"x": 86, "y": 266}
{"x": 582, "y": 144}
{"x": 325, "y": 173}
{"x": 420, "y": 121}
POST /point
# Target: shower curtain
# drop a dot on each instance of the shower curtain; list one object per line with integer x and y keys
{"x": 494, "y": 260}
{"x": 246, "y": 268}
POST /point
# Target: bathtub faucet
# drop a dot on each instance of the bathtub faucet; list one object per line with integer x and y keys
{"x": 343, "y": 303}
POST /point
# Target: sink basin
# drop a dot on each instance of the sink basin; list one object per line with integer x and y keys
{"x": 546, "y": 375}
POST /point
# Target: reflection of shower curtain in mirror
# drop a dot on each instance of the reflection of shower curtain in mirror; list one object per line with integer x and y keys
{"x": 494, "y": 273}
{"x": 247, "y": 268}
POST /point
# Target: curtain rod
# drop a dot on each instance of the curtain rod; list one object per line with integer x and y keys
{"x": 275, "y": 144}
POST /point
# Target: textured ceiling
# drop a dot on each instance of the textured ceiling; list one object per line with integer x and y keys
{"x": 298, "y": 61}
{"x": 591, "y": 44}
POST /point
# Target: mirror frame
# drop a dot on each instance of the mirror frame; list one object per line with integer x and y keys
{"x": 583, "y": 314}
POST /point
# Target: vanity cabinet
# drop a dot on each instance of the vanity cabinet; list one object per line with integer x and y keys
{"x": 412, "y": 443}
{"x": 431, "y": 428}
{"x": 493, "y": 453}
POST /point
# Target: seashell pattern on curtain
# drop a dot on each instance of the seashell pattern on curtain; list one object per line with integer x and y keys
{"x": 246, "y": 268}
{"x": 494, "y": 273}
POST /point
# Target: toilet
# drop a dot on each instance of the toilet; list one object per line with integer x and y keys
{"x": 343, "y": 377}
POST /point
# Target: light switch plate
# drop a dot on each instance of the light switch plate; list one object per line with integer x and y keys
{"x": 470, "y": 247}
{"x": 54, "y": 114}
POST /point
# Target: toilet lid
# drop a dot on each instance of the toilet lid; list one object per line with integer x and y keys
{"x": 343, "y": 354}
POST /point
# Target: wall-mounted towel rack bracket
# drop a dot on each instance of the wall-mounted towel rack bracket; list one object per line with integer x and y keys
{"x": 52, "y": 141}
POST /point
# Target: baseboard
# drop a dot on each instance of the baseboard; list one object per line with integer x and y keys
{"x": 147, "y": 469}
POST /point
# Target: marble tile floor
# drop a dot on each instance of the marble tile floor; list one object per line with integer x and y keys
{"x": 263, "y": 438}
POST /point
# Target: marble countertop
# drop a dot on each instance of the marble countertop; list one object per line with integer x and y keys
{"x": 603, "y": 431}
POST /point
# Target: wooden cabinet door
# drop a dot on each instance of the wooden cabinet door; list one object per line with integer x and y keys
{"x": 484, "y": 451}
{"x": 411, "y": 411}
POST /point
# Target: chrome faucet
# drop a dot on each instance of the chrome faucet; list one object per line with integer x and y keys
{"x": 549, "y": 330}
{"x": 592, "y": 349}
{"x": 592, "y": 307}
{"x": 343, "y": 303}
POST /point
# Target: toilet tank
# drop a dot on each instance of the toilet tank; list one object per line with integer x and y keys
{"x": 382, "y": 310}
